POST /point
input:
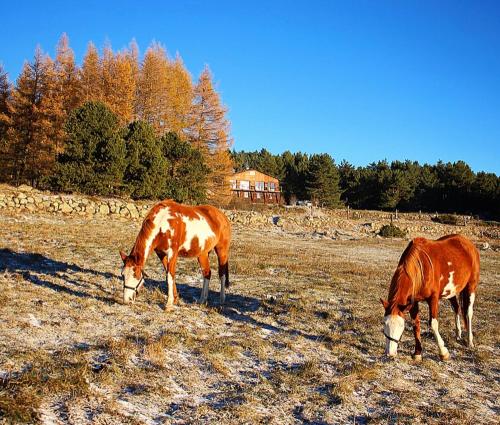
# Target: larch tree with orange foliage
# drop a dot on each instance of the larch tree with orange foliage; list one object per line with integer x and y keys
{"x": 179, "y": 98}
{"x": 31, "y": 151}
{"x": 210, "y": 132}
{"x": 152, "y": 88}
{"x": 62, "y": 91}
{"x": 119, "y": 83}
{"x": 5, "y": 93}
{"x": 90, "y": 76}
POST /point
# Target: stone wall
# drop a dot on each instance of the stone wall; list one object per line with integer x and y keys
{"x": 319, "y": 223}
{"x": 25, "y": 198}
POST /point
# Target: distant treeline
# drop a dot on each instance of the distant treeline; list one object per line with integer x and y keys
{"x": 407, "y": 186}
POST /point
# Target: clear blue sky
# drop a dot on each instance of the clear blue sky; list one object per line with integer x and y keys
{"x": 361, "y": 80}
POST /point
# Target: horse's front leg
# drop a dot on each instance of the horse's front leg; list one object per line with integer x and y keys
{"x": 204, "y": 262}
{"x": 433, "y": 312}
{"x": 415, "y": 317}
{"x": 170, "y": 265}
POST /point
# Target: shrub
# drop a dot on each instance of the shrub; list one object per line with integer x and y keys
{"x": 391, "y": 231}
{"x": 446, "y": 219}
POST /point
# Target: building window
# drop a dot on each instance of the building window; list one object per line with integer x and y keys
{"x": 244, "y": 184}
{"x": 233, "y": 184}
{"x": 272, "y": 186}
{"x": 259, "y": 186}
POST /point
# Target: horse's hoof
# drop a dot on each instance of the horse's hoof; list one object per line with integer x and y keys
{"x": 445, "y": 357}
{"x": 169, "y": 307}
{"x": 417, "y": 357}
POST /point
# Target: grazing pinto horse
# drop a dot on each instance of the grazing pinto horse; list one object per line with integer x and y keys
{"x": 173, "y": 230}
{"x": 427, "y": 271}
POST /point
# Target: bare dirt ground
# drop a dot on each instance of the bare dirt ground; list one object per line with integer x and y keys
{"x": 299, "y": 340}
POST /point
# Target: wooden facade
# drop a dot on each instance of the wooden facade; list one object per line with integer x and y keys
{"x": 256, "y": 187}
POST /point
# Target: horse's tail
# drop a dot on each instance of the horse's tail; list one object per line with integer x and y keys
{"x": 473, "y": 281}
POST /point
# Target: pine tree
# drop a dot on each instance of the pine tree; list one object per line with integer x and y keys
{"x": 146, "y": 172}
{"x": 31, "y": 151}
{"x": 296, "y": 167}
{"x": 322, "y": 181}
{"x": 186, "y": 178}
{"x": 210, "y": 133}
{"x": 94, "y": 160}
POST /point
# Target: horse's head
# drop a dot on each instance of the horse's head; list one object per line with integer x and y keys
{"x": 394, "y": 325}
{"x": 133, "y": 278}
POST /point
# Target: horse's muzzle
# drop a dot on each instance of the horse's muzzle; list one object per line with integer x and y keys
{"x": 129, "y": 300}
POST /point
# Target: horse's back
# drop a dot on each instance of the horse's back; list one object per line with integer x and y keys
{"x": 455, "y": 251}
{"x": 217, "y": 219}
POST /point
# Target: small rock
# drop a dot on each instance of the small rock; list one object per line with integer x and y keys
{"x": 65, "y": 208}
{"x": 103, "y": 209}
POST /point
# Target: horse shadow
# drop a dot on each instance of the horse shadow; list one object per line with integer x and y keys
{"x": 34, "y": 266}
{"x": 190, "y": 293}
{"x": 237, "y": 307}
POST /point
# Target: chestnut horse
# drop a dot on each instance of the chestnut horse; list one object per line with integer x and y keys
{"x": 427, "y": 271}
{"x": 173, "y": 230}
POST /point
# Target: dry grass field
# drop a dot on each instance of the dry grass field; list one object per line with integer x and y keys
{"x": 299, "y": 340}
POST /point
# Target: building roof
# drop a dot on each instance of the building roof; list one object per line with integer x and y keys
{"x": 254, "y": 175}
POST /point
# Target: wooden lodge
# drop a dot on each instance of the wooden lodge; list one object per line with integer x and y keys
{"x": 256, "y": 187}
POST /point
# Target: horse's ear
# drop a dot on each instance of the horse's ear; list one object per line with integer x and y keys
{"x": 384, "y": 303}
{"x": 123, "y": 255}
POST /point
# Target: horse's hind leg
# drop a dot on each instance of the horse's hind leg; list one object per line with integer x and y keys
{"x": 204, "y": 262}
{"x": 467, "y": 297}
{"x": 456, "y": 309}
{"x": 223, "y": 257}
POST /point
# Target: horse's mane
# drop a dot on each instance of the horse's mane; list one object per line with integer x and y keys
{"x": 411, "y": 265}
{"x": 140, "y": 242}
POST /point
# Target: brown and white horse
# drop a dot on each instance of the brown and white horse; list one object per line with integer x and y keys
{"x": 172, "y": 230}
{"x": 427, "y": 271}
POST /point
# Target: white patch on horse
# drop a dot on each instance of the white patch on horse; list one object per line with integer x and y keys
{"x": 470, "y": 311}
{"x": 196, "y": 228}
{"x": 449, "y": 290}
{"x": 160, "y": 224}
{"x": 170, "y": 285}
{"x": 450, "y": 263}
{"x": 394, "y": 326}
{"x": 130, "y": 281}
{"x": 443, "y": 351}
